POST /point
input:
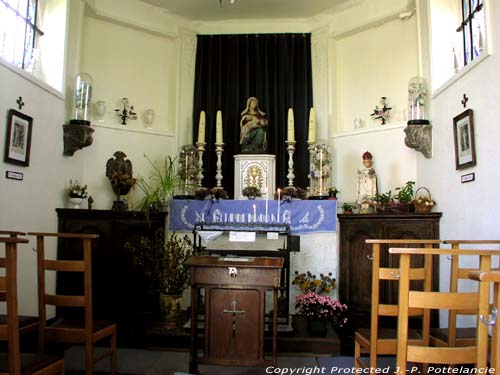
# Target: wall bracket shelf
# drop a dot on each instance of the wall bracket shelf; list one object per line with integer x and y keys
{"x": 76, "y": 137}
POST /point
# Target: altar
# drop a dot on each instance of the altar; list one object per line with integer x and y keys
{"x": 303, "y": 216}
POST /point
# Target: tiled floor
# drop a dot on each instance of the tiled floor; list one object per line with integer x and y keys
{"x": 148, "y": 362}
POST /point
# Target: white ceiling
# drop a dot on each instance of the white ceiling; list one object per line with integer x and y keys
{"x": 211, "y": 10}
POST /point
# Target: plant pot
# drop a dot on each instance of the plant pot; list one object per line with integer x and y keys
{"x": 170, "y": 306}
{"x": 316, "y": 327}
{"x": 76, "y": 202}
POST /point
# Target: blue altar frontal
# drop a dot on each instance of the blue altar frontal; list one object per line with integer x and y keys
{"x": 303, "y": 216}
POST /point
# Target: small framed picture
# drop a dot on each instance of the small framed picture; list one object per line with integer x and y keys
{"x": 18, "y": 139}
{"x": 463, "y": 132}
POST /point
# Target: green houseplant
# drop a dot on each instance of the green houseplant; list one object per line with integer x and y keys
{"x": 161, "y": 185}
{"x": 162, "y": 261}
{"x": 395, "y": 203}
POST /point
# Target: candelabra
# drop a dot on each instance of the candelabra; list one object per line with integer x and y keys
{"x": 127, "y": 112}
{"x": 201, "y": 149}
{"x": 219, "y": 149}
{"x": 290, "y": 146}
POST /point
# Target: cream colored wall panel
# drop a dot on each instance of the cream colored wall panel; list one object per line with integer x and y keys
{"x": 393, "y": 162}
{"x": 129, "y": 63}
{"x": 375, "y": 63}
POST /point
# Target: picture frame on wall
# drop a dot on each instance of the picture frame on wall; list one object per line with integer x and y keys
{"x": 463, "y": 133}
{"x": 18, "y": 139}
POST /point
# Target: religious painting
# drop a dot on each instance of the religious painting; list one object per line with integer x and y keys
{"x": 18, "y": 144}
{"x": 463, "y": 132}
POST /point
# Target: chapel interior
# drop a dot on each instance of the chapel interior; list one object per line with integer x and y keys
{"x": 168, "y": 83}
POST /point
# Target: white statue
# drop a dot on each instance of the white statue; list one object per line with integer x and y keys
{"x": 367, "y": 183}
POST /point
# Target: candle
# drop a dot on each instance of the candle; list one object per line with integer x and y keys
{"x": 254, "y": 212}
{"x": 291, "y": 128}
{"x": 218, "y": 129}
{"x": 201, "y": 128}
{"x": 266, "y": 206}
{"x": 312, "y": 126}
{"x": 279, "y": 200}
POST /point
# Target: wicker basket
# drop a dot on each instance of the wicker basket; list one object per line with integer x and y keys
{"x": 423, "y": 208}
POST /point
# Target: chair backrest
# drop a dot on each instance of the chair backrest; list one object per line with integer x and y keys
{"x": 491, "y": 277}
{"x": 84, "y": 266}
{"x": 386, "y": 273}
{"x": 457, "y": 273}
{"x": 8, "y": 294}
{"x": 409, "y": 299}
{"x": 11, "y": 233}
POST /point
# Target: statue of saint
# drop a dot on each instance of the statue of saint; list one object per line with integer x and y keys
{"x": 367, "y": 183}
{"x": 253, "y": 128}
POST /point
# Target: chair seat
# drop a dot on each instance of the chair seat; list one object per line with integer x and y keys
{"x": 462, "y": 333}
{"x": 31, "y": 362}
{"x": 25, "y": 322}
{"x": 99, "y": 325}
{"x": 388, "y": 333}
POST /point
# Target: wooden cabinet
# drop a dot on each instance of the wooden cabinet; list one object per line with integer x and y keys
{"x": 234, "y": 309}
{"x": 120, "y": 293}
{"x": 354, "y": 281}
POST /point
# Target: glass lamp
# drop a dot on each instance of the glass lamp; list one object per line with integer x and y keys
{"x": 418, "y": 96}
{"x": 81, "y": 99}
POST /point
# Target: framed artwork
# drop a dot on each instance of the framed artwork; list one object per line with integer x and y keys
{"x": 18, "y": 139}
{"x": 463, "y": 132}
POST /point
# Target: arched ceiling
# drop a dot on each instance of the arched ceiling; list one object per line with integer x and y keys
{"x": 219, "y": 10}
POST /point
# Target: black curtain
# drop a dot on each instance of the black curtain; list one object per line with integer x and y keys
{"x": 276, "y": 69}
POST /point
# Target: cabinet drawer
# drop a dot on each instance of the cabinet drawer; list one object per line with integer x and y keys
{"x": 242, "y": 276}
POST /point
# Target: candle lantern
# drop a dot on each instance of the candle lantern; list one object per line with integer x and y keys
{"x": 418, "y": 95}
{"x": 81, "y": 99}
{"x": 320, "y": 170}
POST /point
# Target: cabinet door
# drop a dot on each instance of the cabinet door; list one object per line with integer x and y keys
{"x": 355, "y": 267}
{"x": 235, "y": 335}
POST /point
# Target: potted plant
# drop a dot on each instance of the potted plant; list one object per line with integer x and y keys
{"x": 332, "y": 193}
{"x": 316, "y": 305}
{"x": 77, "y": 193}
{"x": 160, "y": 187}
{"x": 251, "y": 192}
{"x": 347, "y": 208}
{"x": 397, "y": 203}
{"x": 162, "y": 261}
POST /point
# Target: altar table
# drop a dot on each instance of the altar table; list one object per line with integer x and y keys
{"x": 303, "y": 216}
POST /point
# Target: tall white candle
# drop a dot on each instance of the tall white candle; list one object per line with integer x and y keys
{"x": 266, "y": 206}
{"x": 201, "y": 128}
{"x": 218, "y": 128}
{"x": 291, "y": 126}
{"x": 312, "y": 125}
{"x": 254, "y": 212}
{"x": 279, "y": 200}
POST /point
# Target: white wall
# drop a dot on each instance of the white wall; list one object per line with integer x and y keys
{"x": 29, "y": 205}
{"x": 374, "y": 63}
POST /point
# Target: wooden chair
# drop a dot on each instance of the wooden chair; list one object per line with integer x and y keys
{"x": 491, "y": 277}
{"x": 14, "y": 362}
{"x": 453, "y": 335}
{"x": 27, "y": 323}
{"x": 72, "y": 330}
{"x": 379, "y": 340}
{"x": 408, "y": 299}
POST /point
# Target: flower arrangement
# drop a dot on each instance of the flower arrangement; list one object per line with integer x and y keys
{"x": 251, "y": 191}
{"x": 320, "y": 306}
{"x": 314, "y": 303}
{"x": 76, "y": 190}
{"x": 291, "y": 192}
{"x": 203, "y": 193}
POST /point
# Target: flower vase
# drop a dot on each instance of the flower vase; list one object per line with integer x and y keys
{"x": 316, "y": 327}
{"x": 76, "y": 202}
{"x": 251, "y": 197}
